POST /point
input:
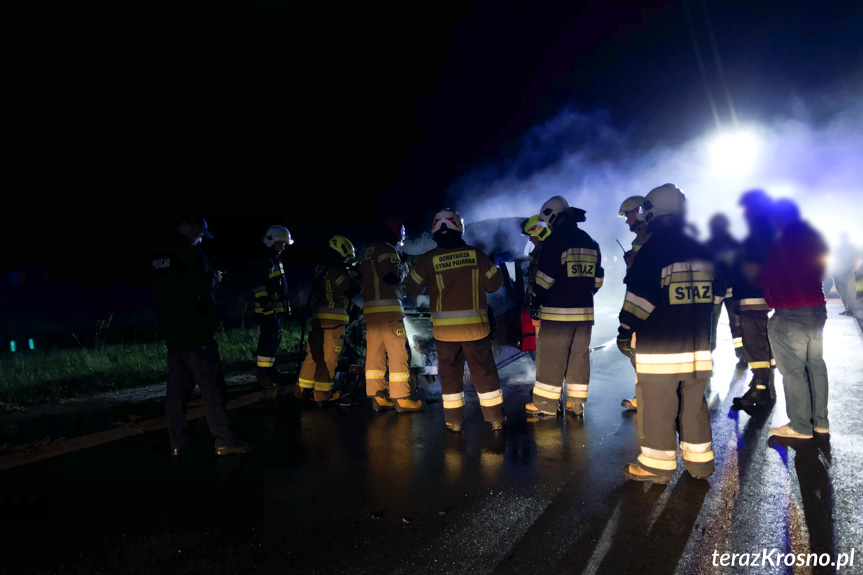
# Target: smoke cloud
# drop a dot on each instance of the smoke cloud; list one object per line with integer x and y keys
{"x": 812, "y": 153}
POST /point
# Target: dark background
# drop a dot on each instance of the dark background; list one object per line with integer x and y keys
{"x": 323, "y": 118}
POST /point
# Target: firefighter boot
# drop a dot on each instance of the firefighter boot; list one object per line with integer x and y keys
{"x": 499, "y": 424}
{"x": 635, "y": 472}
{"x": 380, "y": 401}
{"x": 533, "y": 411}
{"x": 758, "y": 393}
{"x": 301, "y": 392}
{"x": 575, "y": 407}
{"x": 268, "y": 376}
{"x": 630, "y": 404}
{"x": 324, "y": 398}
{"x": 406, "y": 404}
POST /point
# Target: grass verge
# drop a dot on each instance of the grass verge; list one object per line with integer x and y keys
{"x": 57, "y": 375}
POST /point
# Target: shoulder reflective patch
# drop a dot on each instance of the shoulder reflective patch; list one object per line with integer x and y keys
{"x": 690, "y": 292}
{"x": 444, "y": 262}
{"x": 416, "y": 277}
{"x": 162, "y": 263}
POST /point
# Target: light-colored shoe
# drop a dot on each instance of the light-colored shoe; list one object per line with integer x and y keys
{"x": 787, "y": 431}
{"x": 381, "y": 403}
{"x": 406, "y": 404}
{"x": 823, "y": 430}
{"x": 636, "y": 473}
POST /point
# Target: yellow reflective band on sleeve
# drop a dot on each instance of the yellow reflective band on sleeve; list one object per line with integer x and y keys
{"x": 490, "y": 273}
{"x": 772, "y": 362}
{"x": 665, "y": 465}
{"x": 717, "y": 299}
{"x": 388, "y": 256}
{"x": 635, "y": 310}
{"x": 544, "y": 280}
{"x": 759, "y": 364}
{"x": 597, "y": 282}
{"x": 415, "y": 276}
{"x": 697, "y": 457}
{"x": 542, "y": 283}
{"x": 729, "y": 293}
{"x": 737, "y": 341}
{"x": 279, "y": 308}
{"x": 271, "y": 312}
{"x": 759, "y": 386}
{"x": 306, "y": 383}
{"x": 275, "y": 274}
{"x": 260, "y": 293}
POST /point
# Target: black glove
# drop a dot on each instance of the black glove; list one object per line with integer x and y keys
{"x": 533, "y": 308}
{"x": 624, "y": 341}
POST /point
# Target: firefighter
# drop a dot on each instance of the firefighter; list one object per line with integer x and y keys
{"x": 725, "y": 248}
{"x": 536, "y": 231}
{"x": 184, "y": 283}
{"x": 630, "y": 209}
{"x": 567, "y": 276}
{"x": 458, "y": 277}
{"x": 749, "y": 298}
{"x": 386, "y": 341}
{"x": 272, "y": 308}
{"x": 333, "y": 288}
{"x": 669, "y": 303}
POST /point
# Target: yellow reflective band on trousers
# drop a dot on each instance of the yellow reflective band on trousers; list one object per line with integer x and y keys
{"x": 759, "y": 364}
{"x": 672, "y": 363}
{"x": 266, "y": 361}
{"x": 490, "y": 399}
{"x": 375, "y": 374}
{"x": 576, "y": 390}
{"x": 307, "y": 383}
{"x": 453, "y": 400}
{"x": 400, "y": 376}
{"x": 323, "y": 386}
{"x": 546, "y": 390}
{"x": 697, "y": 457}
{"x": 664, "y": 464}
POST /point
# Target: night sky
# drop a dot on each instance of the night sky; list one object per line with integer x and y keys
{"x": 336, "y": 115}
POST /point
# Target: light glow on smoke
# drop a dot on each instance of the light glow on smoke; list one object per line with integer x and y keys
{"x": 735, "y": 153}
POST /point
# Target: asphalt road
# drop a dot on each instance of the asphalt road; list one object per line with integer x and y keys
{"x": 346, "y": 490}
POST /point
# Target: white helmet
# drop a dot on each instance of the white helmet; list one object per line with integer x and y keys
{"x": 662, "y": 201}
{"x": 277, "y": 234}
{"x": 448, "y": 218}
{"x": 629, "y": 204}
{"x": 550, "y": 209}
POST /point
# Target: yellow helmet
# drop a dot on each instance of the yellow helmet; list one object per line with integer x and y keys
{"x": 344, "y": 246}
{"x": 532, "y": 226}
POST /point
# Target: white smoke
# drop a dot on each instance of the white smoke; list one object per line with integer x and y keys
{"x": 813, "y": 154}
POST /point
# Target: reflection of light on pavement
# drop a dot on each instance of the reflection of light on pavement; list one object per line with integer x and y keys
{"x": 604, "y": 543}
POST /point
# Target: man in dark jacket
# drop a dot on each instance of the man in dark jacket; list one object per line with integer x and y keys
{"x": 792, "y": 280}
{"x": 184, "y": 287}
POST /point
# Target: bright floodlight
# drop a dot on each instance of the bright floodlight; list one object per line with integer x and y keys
{"x": 735, "y": 153}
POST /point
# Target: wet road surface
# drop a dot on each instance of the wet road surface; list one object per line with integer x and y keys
{"x": 346, "y": 490}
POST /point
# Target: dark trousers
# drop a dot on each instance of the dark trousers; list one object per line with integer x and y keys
{"x": 669, "y": 406}
{"x": 478, "y": 354}
{"x": 269, "y": 341}
{"x": 797, "y": 336}
{"x": 756, "y": 344}
{"x": 733, "y": 321}
{"x": 562, "y": 352}
{"x": 201, "y": 367}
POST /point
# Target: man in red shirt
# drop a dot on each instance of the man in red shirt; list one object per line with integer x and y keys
{"x": 791, "y": 279}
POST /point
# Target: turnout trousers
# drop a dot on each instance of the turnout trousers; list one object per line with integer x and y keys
{"x": 562, "y": 352}
{"x": 452, "y": 356}
{"x": 322, "y": 358}
{"x": 672, "y": 407}
{"x": 386, "y": 346}
{"x": 757, "y": 345}
{"x": 186, "y": 369}
{"x": 797, "y": 336}
{"x": 269, "y": 340}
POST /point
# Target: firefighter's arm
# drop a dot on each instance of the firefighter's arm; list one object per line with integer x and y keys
{"x": 493, "y": 278}
{"x": 600, "y": 272}
{"x": 417, "y": 279}
{"x": 642, "y": 295}
{"x": 390, "y": 268}
{"x": 547, "y": 270}
{"x": 262, "y": 296}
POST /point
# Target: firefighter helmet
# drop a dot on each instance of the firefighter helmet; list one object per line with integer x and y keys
{"x": 666, "y": 200}
{"x": 551, "y": 208}
{"x": 343, "y": 246}
{"x": 629, "y": 204}
{"x": 449, "y": 219}
{"x": 533, "y": 227}
{"x": 277, "y": 234}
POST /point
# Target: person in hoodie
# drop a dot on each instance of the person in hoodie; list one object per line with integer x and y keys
{"x": 792, "y": 279}
{"x": 725, "y": 248}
